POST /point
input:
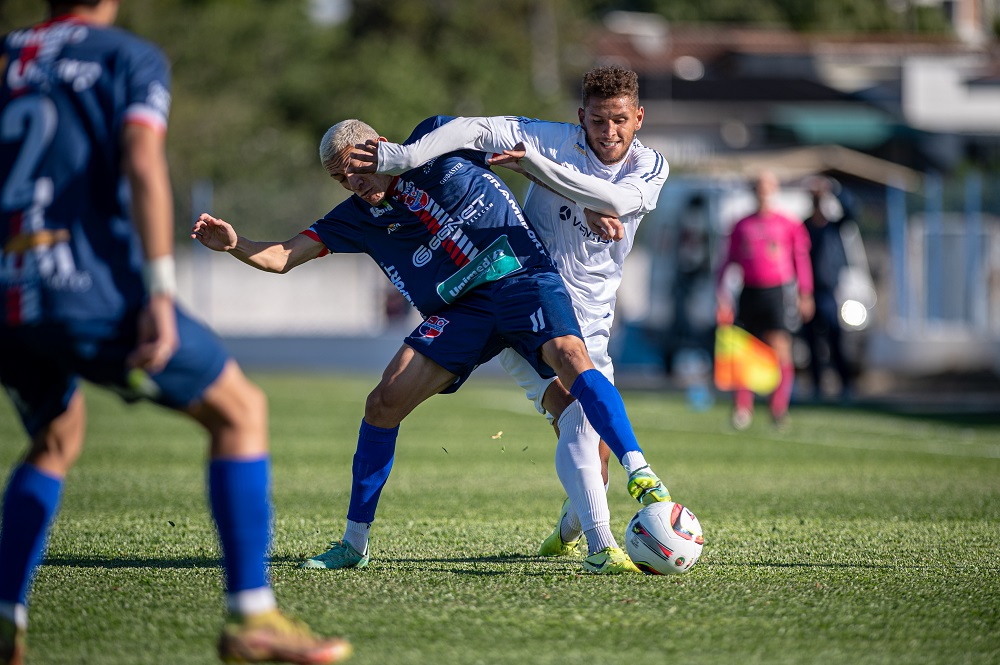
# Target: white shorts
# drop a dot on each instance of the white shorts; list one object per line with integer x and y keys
{"x": 535, "y": 386}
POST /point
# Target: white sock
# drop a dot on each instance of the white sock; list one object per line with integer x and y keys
{"x": 633, "y": 460}
{"x": 356, "y": 535}
{"x": 603, "y": 536}
{"x": 15, "y": 612}
{"x": 598, "y": 529}
{"x": 599, "y": 538}
{"x": 578, "y": 465}
{"x": 251, "y": 601}
{"x": 569, "y": 528}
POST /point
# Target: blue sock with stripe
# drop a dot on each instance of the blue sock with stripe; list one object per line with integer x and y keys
{"x": 29, "y": 506}
{"x": 372, "y": 464}
{"x": 603, "y": 405}
{"x": 239, "y": 495}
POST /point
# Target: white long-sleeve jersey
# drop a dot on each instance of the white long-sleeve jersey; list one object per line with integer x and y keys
{"x": 557, "y": 155}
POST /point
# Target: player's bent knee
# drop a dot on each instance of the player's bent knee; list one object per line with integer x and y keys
{"x": 254, "y": 405}
{"x": 56, "y": 448}
{"x": 556, "y": 399}
{"x": 567, "y": 355}
{"x": 382, "y": 408}
{"x": 234, "y": 406}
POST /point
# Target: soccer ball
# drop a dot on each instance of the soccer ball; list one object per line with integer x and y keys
{"x": 664, "y": 538}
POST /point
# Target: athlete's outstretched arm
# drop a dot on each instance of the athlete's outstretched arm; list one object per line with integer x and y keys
{"x": 508, "y": 137}
{"x": 280, "y": 257}
{"x": 457, "y": 134}
{"x": 635, "y": 193}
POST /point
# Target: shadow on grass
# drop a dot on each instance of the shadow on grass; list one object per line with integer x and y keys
{"x": 490, "y": 558}
{"x": 486, "y": 560}
{"x": 215, "y": 562}
{"x": 132, "y": 562}
{"x": 845, "y": 565}
{"x": 437, "y": 564}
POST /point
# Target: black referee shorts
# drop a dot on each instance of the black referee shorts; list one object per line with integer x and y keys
{"x": 772, "y": 308}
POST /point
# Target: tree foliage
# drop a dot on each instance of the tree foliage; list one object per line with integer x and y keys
{"x": 864, "y": 16}
{"x": 257, "y": 82}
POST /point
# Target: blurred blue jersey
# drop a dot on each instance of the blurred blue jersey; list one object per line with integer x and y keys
{"x": 443, "y": 229}
{"x": 68, "y": 252}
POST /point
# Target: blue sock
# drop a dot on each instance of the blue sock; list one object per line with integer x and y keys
{"x": 372, "y": 463}
{"x": 238, "y": 492}
{"x": 29, "y": 505}
{"x": 603, "y": 405}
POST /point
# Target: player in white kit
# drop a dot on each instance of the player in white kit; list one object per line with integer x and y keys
{"x": 591, "y": 185}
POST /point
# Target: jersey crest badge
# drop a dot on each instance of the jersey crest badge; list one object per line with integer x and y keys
{"x": 432, "y": 327}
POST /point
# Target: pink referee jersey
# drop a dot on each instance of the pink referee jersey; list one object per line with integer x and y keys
{"x": 772, "y": 250}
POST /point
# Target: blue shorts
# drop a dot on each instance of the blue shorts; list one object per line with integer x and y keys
{"x": 522, "y": 312}
{"x": 40, "y": 366}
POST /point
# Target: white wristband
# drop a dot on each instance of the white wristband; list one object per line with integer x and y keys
{"x": 160, "y": 277}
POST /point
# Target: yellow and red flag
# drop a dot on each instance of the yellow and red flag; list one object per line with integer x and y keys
{"x": 743, "y": 361}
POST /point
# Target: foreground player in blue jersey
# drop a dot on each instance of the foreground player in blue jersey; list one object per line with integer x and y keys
{"x": 452, "y": 238}
{"x": 87, "y": 291}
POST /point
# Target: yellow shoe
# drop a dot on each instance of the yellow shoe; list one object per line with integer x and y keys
{"x": 554, "y": 545}
{"x": 646, "y": 488}
{"x": 271, "y": 636}
{"x": 610, "y": 561}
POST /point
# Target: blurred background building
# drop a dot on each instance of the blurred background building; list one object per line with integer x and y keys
{"x": 907, "y": 124}
{"x": 898, "y": 101}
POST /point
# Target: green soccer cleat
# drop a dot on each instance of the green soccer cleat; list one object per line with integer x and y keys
{"x": 610, "y": 561}
{"x": 340, "y": 555}
{"x": 273, "y": 637}
{"x": 646, "y": 488}
{"x": 11, "y": 643}
{"x": 554, "y": 545}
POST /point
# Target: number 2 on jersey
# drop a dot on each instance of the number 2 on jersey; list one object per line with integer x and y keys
{"x": 31, "y": 120}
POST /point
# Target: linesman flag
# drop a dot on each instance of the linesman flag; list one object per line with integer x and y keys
{"x": 743, "y": 361}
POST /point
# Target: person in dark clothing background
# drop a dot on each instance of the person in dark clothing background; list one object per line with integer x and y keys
{"x": 829, "y": 258}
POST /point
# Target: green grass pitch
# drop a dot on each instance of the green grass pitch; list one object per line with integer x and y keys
{"x": 854, "y": 537}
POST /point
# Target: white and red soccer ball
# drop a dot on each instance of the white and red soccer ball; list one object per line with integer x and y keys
{"x": 664, "y": 538}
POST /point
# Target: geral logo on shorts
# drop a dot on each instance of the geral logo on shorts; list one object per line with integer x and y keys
{"x": 432, "y": 326}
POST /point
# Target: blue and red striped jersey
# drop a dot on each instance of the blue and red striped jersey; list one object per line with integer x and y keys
{"x": 443, "y": 228}
{"x": 68, "y": 251}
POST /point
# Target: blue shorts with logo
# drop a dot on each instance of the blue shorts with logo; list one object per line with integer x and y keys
{"x": 522, "y": 312}
{"x": 40, "y": 366}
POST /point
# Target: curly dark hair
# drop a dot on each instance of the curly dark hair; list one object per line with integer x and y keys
{"x": 610, "y": 81}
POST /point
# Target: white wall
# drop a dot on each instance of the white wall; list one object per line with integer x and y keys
{"x": 335, "y": 295}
